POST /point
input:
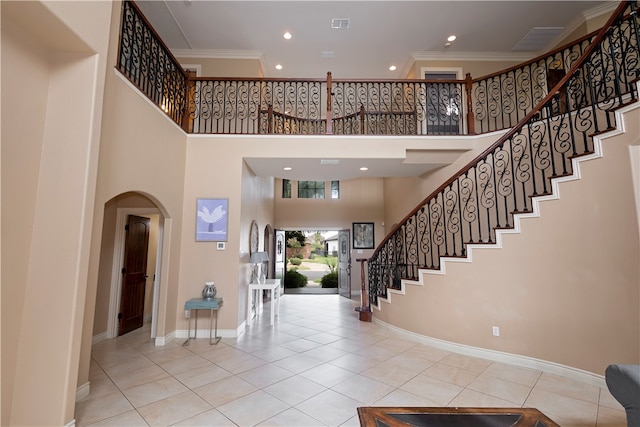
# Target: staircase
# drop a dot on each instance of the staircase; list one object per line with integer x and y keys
{"x": 504, "y": 184}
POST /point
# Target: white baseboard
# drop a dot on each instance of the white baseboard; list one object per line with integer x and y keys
{"x": 102, "y": 336}
{"x": 71, "y": 423}
{"x": 498, "y": 356}
{"x": 82, "y": 391}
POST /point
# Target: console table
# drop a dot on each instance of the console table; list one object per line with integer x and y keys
{"x": 272, "y": 285}
{"x": 196, "y": 304}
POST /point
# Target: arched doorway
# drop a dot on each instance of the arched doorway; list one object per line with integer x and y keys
{"x": 109, "y": 296}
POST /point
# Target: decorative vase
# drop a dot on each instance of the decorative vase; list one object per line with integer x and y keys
{"x": 209, "y": 291}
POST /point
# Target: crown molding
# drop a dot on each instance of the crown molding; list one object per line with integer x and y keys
{"x": 471, "y": 56}
{"x": 601, "y": 9}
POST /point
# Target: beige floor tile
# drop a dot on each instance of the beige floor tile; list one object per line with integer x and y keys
{"x": 294, "y": 390}
{"x": 565, "y": 411}
{"x": 145, "y": 394}
{"x": 404, "y": 398}
{"x": 225, "y": 390}
{"x": 209, "y": 418}
{"x": 514, "y": 374}
{"x": 608, "y": 417}
{"x": 126, "y": 419}
{"x": 290, "y": 418}
{"x": 354, "y": 362}
{"x": 327, "y": 375}
{"x": 174, "y": 409}
{"x": 502, "y": 389}
{"x": 567, "y": 387}
{"x": 466, "y": 362}
{"x": 141, "y": 376}
{"x": 363, "y": 389}
{"x": 94, "y": 410}
{"x": 279, "y": 375}
{"x": 330, "y": 408}
{"x": 432, "y": 389}
{"x": 241, "y": 363}
{"x": 298, "y": 363}
{"x": 264, "y": 376}
{"x": 198, "y": 377}
{"x": 186, "y": 363}
{"x": 262, "y": 407}
{"x": 393, "y": 375}
{"x": 450, "y": 374}
{"x": 473, "y": 398}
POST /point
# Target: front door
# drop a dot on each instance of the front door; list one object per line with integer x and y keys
{"x": 344, "y": 264}
{"x": 134, "y": 274}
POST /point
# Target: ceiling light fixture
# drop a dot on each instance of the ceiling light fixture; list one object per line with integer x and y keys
{"x": 364, "y": 168}
{"x": 287, "y": 35}
{"x": 451, "y": 38}
{"x": 278, "y": 67}
{"x": 287, "y": 168}
{"x": 392, "y": 68}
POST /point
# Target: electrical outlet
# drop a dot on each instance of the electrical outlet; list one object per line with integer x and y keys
{"x": 187, "y": 314}
{"x": 496, "y": 331}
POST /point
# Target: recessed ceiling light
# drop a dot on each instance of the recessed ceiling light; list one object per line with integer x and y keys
{"x": 447, "y": 44}
{"x": 451, "y": 38}
{"x": 278, "y": 67}
{"x": 364, "y": 168}
{"x": 287, "y": 35}
{"x": 392, "y": 68}
{"x": 288, "y": 168}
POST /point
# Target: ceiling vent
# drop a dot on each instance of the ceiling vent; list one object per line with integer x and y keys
{"x": 538, "y": 38}
{"x": 329, "y": 162}
{"x": 328, "y": 54}
{"x": 340, "y": 23}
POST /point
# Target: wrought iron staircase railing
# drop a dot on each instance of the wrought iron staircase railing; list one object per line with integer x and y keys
{"x": 484, "y": 196}
{"x": 317, "y": 106}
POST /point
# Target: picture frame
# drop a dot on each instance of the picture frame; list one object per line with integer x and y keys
{"x": 363, "y": 235}
{"x": 212, "y": 219}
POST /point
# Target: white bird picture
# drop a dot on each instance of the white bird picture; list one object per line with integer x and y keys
{"x": 211, "y": 217}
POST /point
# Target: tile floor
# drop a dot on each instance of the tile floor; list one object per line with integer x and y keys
{"x": 314, "y": 368}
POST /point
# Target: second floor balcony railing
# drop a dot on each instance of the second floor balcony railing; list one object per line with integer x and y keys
{"x": 342, "y": 107}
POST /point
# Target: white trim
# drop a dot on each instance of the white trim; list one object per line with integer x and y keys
{"x": 499, "y": 356}
{"x": 71, "y": 423}
{"x": 456, "y": 70}
{"x": 102, "y": 336}
{"x": 83, "y": 391}
{"x": 197, "y": 67}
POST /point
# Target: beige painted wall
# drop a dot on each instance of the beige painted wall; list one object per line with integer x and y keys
{"x": 53, "y": 50}
{"x": 216, "y": 67}
{"x": 565, "y": 290}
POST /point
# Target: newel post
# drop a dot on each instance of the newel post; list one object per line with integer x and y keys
{"x": 471, "y": 125}
{"x": 364, "y": 309}
{"x": 329, "y": 129}
{"x": 189, "y": 99}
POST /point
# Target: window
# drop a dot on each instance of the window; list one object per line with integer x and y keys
{"x": 444, "y": 102}
{"x": 335, "y": 189}
{"x": 311, "y": 189}
{"x": 286, "y": 189}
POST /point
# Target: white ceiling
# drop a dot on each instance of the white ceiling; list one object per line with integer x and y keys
{"x": 382, "y": 33}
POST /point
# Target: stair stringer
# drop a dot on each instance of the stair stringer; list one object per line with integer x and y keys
{"x": 535, "y": 202}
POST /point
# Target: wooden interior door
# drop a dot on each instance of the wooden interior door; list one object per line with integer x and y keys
{"x": 344, "y": 264}
{"x": 134, "y": 274}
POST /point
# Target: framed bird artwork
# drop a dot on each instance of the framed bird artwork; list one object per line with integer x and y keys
{"x": 212, "y": 220}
